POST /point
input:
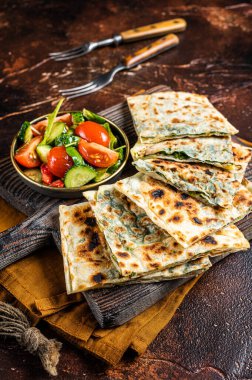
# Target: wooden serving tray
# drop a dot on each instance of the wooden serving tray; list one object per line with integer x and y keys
{"x": 110, "y": 306}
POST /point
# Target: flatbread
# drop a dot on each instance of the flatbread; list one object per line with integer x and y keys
{"x": 216, "y": 151}
{"x": 183, "y": 217}
{"x": 137, "y": 245}
{"x": 242, "y": 157}
{"x": 213, "y": 186}
{"x": 168, "y": 115}
{"x": 87, "y": 267}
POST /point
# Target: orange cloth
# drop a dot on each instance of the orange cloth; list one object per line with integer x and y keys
{"x": 36, "y": 284}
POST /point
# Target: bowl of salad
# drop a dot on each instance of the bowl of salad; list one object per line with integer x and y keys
{"x": 66, "y": 152}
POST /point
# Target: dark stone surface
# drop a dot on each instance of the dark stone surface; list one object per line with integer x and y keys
{"x": 209, "y": 336}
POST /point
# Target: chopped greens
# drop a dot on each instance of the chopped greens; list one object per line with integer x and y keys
{"x": 67, "y": 140}
{"x": 180, "y": 155}
{"x": 77, "y": 117}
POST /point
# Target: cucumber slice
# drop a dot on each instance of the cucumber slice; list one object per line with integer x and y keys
{"x": 77, "y": 158}
{"x": 43, "y": 151}
{"x": 58, "y": 128}
{"x": 78, "y": 176}
{"x": 34, "y": 174}
{"x": 77, "y": 117}
{"x": 25, "y": 133}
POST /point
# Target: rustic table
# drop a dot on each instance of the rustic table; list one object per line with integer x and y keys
{"x": 210, "y": 335}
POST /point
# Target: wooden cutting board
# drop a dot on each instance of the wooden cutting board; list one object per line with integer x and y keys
{"x": 110, "y": 306}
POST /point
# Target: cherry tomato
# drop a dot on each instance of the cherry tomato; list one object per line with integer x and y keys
{"x": 97, "y": 155}
{"x": 58, "y": 161}
{"x": 26, "y": 155}
{"x": 47, "y": 176}
{"x": 93, "y": 132}
{"x": 39, "y": 127}
{"x": 57, "y": 183}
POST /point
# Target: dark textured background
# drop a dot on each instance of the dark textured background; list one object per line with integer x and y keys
{"x": 210, "y": 335}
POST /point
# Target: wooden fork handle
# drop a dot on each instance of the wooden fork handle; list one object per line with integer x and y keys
{"x": 154, "y": 30}
{"x": 157, "y": 47}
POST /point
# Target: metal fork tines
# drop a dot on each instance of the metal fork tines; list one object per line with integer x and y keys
{"x": 84, "y": 49}
{"x": 95, "y": 85}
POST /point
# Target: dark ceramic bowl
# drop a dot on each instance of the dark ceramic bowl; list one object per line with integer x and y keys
{"x": 74, "y": 192}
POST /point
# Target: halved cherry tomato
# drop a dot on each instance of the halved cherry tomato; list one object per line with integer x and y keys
{"x": 47, "y": 176}
{"x": 26, "y": 155}
{"x": 93, "y": 132}
{"x": 59, "y": 161}
{"x": 39, "y": 127}
{"x": 57, "y": 183}
{"x": 97, "y": 155}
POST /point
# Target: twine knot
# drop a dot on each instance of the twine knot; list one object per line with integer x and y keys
{"x": 14, "y": 323}
{"x": 31, "y": 339}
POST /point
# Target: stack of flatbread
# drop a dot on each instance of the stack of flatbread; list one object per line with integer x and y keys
{"x": 168, "y": 220}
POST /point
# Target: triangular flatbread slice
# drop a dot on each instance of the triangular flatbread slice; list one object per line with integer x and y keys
{"x": 216, "y": 151}
{"x": 183, "y": 217}
{"x": 213, "y": 186}
{"x": 168, "y": 115}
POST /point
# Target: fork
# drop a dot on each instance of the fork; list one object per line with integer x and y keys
{"x": 143, "y": 32}
{"x": 142, "y": 55}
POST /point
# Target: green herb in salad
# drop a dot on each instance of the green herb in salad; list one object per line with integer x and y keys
{"x": 77, "y": 118}
{"x": 67, "y": 140}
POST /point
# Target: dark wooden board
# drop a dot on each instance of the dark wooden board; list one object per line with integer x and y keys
{"x": 111, "y": 306}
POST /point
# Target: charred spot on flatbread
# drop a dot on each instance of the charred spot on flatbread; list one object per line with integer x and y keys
{"x": 179, "y": 204}
{"x": 177, "y": 218}
{"x": 94, "y": 241}
{"x": 154, "y": 265}
{"x": 90, "y": 221}
{"x": 158, "y": 193}
{"x": 125, "y": 255}
{"x": 208, "y": 172}
{"x": 209, "y": 240}
{"x": 197, "y": 220}
{"x": 161, "y": 212}
{"x": 99, "y": 277}
{"x": 135, "y": 265}
{"x": 184, "y": 196}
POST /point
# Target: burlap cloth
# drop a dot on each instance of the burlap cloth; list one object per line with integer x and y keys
{"x": 36, "y": 285}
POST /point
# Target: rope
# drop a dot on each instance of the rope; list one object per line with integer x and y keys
{"x": 15, "y": 324}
